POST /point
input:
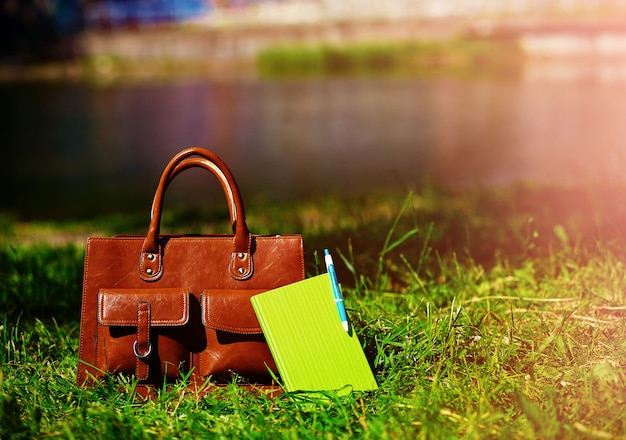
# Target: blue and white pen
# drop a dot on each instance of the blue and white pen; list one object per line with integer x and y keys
{"x": 330, "y": 267}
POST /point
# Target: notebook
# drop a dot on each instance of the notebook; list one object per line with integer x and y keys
{"x": 312, "y": 350}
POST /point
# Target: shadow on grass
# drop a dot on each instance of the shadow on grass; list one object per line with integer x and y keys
{"x": 485, "y": 227}
{"x": 41, "y": 282}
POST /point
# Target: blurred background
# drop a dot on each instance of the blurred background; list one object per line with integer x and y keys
{"x": 305, "y": 97}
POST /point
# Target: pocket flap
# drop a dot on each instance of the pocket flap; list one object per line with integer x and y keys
{"x": 230, "y": 310}
{"x": 168, "y": 307}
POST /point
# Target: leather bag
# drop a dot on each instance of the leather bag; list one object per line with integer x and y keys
{"x": 162, "y": 307}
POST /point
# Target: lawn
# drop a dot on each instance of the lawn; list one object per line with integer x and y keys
{"x": 485, "y": 312}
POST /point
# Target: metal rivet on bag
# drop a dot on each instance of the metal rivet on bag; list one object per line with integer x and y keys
{"x": 241, "y": 255}
{"x": 149, "y": 271}
{"x": 150, "y": 257}
{"x": 241, "y": 270}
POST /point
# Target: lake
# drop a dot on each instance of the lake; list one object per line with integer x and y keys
{"x": 77, "y": 149}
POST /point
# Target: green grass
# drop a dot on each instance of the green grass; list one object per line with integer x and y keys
{"x": 465, "y": 56}
{"x": 484, "y": 313}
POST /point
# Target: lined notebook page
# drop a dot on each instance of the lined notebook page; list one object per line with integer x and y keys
{"x": 311, "y": 349}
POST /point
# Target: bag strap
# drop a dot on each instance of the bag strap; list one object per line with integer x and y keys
{"x": 241, "y": 264}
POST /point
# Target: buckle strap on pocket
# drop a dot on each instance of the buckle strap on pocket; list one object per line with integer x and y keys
{"x": 142, "y": 346}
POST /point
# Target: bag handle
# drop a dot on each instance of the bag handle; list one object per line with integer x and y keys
{"x": 202, "y": 162}
{"x": 241, "y": 264}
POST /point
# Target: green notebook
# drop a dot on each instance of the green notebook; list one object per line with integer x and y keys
{"x": 311, "y": 349}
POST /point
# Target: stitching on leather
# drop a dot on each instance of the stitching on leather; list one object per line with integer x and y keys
{"x": 216, "y": 325}
{"x": 183, "y": 320}
{"x": 142, "y": 364}
{"x": 81, "y": 367}
{"x": 147, "y": 312}
{"x": 155, "y": 276}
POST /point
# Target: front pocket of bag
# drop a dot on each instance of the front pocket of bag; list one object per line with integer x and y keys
{"x": 234, "y": 339}
{"x": 144, "y": 332}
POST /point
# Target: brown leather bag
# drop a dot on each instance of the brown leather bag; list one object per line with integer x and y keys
{"x": 160, "y": 307}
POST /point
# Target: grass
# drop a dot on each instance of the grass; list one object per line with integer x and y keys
{"x": 484, "y": 313}
{"x": 460, "y": 55}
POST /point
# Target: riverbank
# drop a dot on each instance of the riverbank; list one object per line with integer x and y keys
{"x": 216, "y": 51}
{"x": 229, "y": 50}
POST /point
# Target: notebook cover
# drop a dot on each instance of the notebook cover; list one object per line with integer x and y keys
{"x": 311, "y": 349}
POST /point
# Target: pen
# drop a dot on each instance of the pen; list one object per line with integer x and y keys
{"x": 330, "y": 267}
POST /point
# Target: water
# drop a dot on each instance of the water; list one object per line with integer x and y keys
{"x": 76, "y": 150}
